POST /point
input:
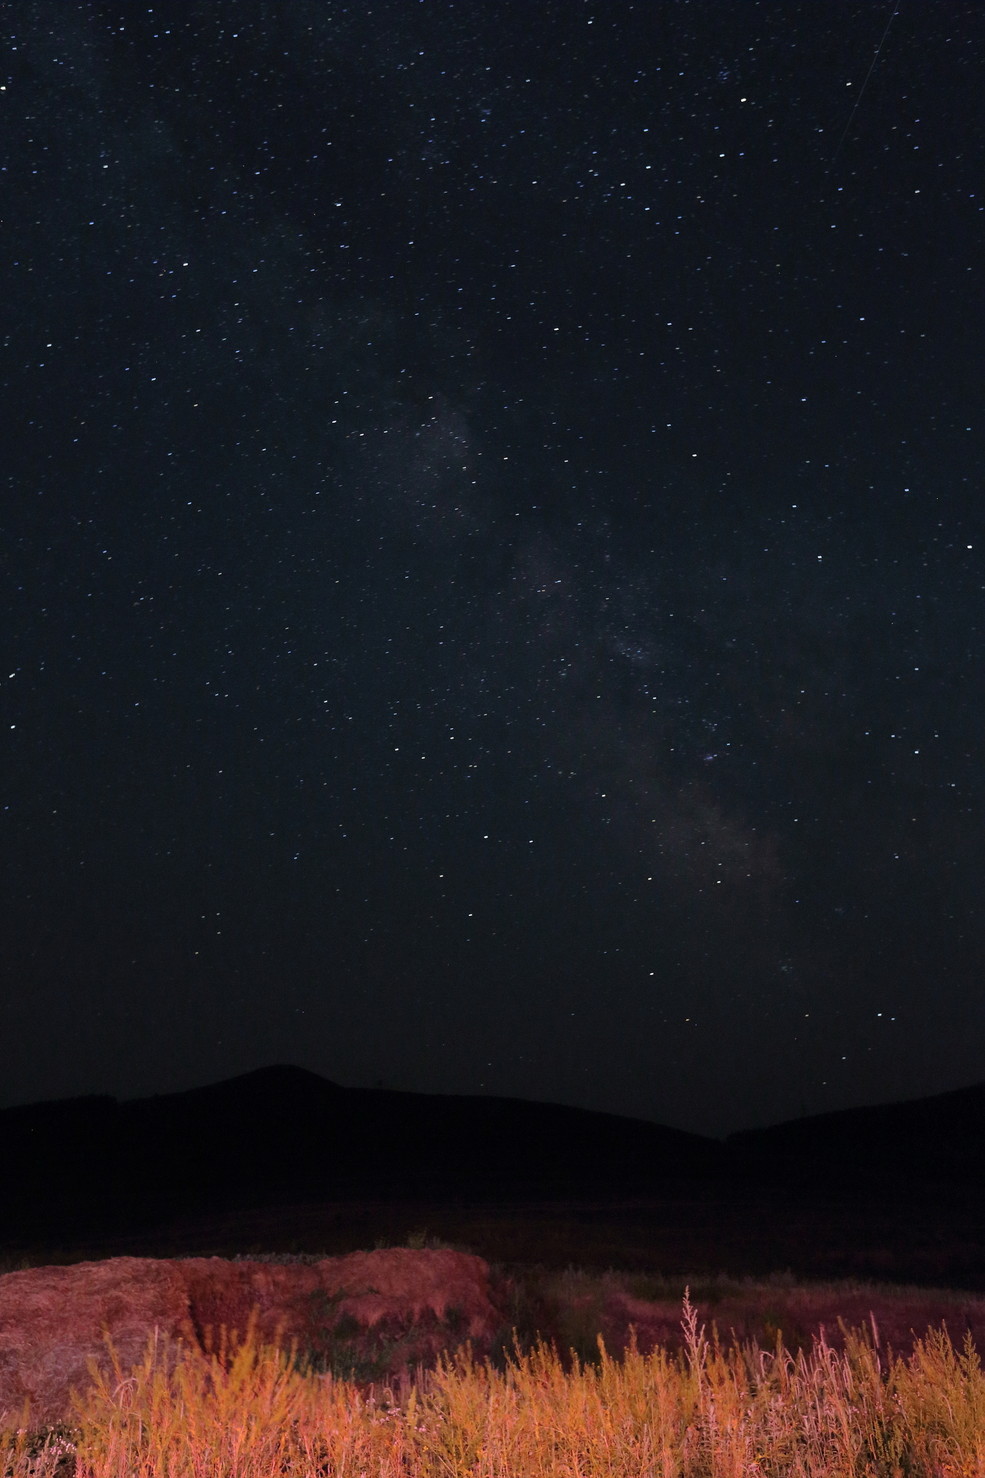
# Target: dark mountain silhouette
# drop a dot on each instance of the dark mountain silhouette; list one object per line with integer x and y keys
{"x": 934, "y": 1145}
{"x": 283, "y": 1136}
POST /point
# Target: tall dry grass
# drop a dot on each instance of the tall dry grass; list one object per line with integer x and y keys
{"x": 249, "y": 1411}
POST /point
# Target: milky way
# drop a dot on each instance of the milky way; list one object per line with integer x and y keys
{"x": 491, "y": 525}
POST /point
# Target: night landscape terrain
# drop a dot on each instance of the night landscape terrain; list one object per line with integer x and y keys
{"x": 282, "y": 1160}
{"x": 491, "y": 613}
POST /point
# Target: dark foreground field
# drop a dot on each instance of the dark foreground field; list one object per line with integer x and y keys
{"x": 697, "y": 1235}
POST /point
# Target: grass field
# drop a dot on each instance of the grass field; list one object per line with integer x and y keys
{"x": 697, "y": 1406}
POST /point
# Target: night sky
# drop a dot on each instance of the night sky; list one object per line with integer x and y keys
{"x": 492, "y": 553}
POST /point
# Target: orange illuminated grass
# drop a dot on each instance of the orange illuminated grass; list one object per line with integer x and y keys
{"x": 252, "y": 1411}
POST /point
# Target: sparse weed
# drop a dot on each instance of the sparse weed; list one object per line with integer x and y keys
{"x": 423, "y": 1240}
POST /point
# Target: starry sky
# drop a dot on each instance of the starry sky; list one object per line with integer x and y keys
{"x": 492, "y": 549}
